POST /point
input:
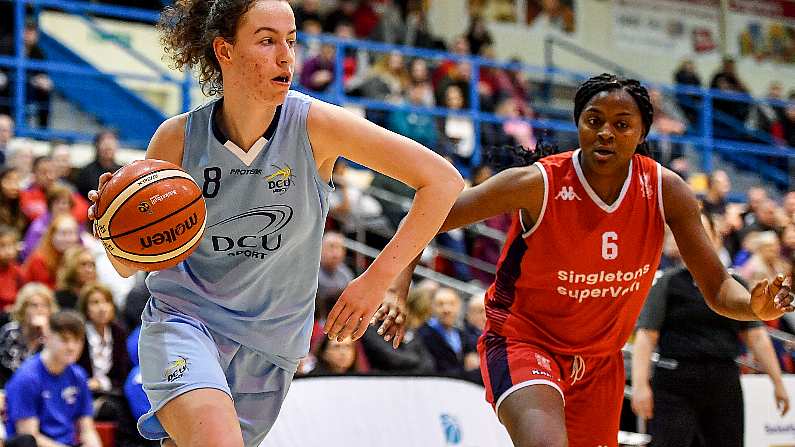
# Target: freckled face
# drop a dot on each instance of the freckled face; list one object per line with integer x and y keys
{"x": 262, "y": 58}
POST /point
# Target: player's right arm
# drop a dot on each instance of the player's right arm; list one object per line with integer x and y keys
{"x": 515, "y": 188}
{"x": 167, "y": 144}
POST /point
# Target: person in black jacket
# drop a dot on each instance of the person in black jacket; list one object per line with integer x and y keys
{"x": 452, "y": 352}
{"x": 411, "y": 356}
{"x": 106, "y": 143}
{"x": 695, "y": 392}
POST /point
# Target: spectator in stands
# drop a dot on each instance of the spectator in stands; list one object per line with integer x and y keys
{"x": 11, "y": 276}
{"x": 308, "y": 10}
{"x": 515, "y": 130}
{"x": 394, "y": 210}
{"x": 10, "y": 210}
{"x": 334, "y": 275}
{"x": 105, "y": 357}
{"x": 766, "y": 260}
{"x": 420, "y": 74}
{"x": 61, "y": 155}
{"x": 789, "y": 121}
{"x": 718, "y": 187}
{"x": 686, "y": 76}
{"x": 33, "y": 199}
{"x": 411, "y": 356}
{"x": 22, "y": 336}
{"x": 39, "y": 86}
{"x": 768, "y": 118}
{"x": 485, "y": 247}
{"x": 446, "y": 342}
{"x": 47, "y": 396}
{"x": 418, "y": 33}
{"x": 789, "y": 205}
{"x": 342, "y": 13}
{"x": 355, "y": 211}
{"x": 60, "y": 200}
{"x": 391, "y": 27}
{"x": 546, "y": 14}
{"x": 317, "y": 73}
{"x": 477, "y": 34}
{"x": 475, "y": 319}
{"x": 62, "y": 234}
{"x": 6, "y": 134}
{"x": 787, "y": 243}
{"x": 77, "y": 270}
{"x": 106, "y": 144}
{"x": 135, "y": 395}
{"x": 21, "y": 159}
{"x": 339, "y": 357}
{"x": 391, "y": 70}
{"x": 420, "y": 127}
{"x": 729, "y": 113}
{"x": 667, "y": 121}
{"x": 458, "y": 134}
{"x": 693, "y": 339}
{"x": 460, "y": 47}
{"x": 764, "y": 216}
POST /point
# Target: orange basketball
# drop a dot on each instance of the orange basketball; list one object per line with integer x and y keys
{"x": 150, "y": 215}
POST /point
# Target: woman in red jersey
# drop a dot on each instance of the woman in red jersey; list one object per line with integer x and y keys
{"x": 577, "y": 265}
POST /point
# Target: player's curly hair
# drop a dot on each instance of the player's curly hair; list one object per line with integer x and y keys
{"x": 188, "y": 28}
{"x": 606, "y": 82}
{"x": 511, "y": 156}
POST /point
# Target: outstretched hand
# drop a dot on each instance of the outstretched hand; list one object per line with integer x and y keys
{"x": 353, "y": 310}
{"x": 770, "y": 300}
{"x": 393, "y": 314}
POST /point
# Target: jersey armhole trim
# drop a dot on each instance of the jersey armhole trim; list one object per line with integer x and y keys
{"x": 660, "y": 191}
{"x": 309, "y": 152}
{"x": 527, "y": 232}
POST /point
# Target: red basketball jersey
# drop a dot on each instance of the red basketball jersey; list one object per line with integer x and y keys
{"x": 575, "y": 282}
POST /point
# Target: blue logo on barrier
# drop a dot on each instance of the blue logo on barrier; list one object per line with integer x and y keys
{"x": 451, "y": 428}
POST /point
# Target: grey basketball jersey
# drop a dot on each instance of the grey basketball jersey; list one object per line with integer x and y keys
{"x": 254, "y": 275}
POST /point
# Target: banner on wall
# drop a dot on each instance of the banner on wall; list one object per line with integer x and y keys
{"x": 675, "y": 28}
{"x": 763, "y": 425}
{"x": 386, "y": 412}
{"x": 763, "y": 29}
{"x": 548, "y": 16}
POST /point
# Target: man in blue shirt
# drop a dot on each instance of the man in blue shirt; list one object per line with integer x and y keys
{"x": 48, "y": 395}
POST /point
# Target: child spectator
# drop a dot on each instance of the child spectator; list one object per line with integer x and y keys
{"x": 11, "y": 276}
{"x": 41, "y": 265}
{"x": 22, "y": 336}
{"x": 77, "y": 270}
{"x": 48, "y": 396}
{"x": 59, "y": 201}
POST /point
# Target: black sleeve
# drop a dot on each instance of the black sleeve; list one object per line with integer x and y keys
{"x": 653, "y": 313}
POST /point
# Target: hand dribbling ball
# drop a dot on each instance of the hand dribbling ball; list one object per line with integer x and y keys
{"x": 150, "y": 215}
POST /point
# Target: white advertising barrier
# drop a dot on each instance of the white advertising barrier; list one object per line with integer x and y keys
{"x": 763, "y": 425}
{"x": 386, "y": 412}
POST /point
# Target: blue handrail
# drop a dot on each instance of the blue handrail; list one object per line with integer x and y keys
{"x": 703, "y": 139}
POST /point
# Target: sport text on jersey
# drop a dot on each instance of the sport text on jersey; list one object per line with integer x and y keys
{"x": 612, "y": 284}
{"x": 264, "y": 224}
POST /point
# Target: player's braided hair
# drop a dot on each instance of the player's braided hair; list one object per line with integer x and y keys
{"x": 607, "y": 82}
{"x": 511, "y": 156}
{"x": 188, "y": 29}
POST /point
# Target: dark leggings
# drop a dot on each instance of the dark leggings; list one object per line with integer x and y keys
{"x": 21, "y": 441}
{"x": 698, "y": 403}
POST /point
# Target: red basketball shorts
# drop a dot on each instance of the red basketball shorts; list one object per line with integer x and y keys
{"x": 592, "y": 387}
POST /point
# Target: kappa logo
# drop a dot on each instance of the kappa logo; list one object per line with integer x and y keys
{"x": 567, "y": 193}
{"x": 175, "y": 369}
{"x": 279, "y": 181}
{"x": 543, "y": 362}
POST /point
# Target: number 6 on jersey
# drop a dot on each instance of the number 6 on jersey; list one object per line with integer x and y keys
{"x": 609, "y": 247}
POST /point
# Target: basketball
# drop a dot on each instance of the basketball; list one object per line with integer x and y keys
{"x": 150, "y": 215}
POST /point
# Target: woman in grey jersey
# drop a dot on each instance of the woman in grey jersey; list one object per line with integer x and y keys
{"x": 224, "y": 330}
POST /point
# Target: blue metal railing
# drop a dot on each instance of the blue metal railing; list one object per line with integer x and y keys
{"x": 702, "y": 134}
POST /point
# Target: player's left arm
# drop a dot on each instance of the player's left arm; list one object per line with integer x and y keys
{"x": 723, "y": 294}
{"x": 335, "y": 132}
{"x": 758, "y": 342}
